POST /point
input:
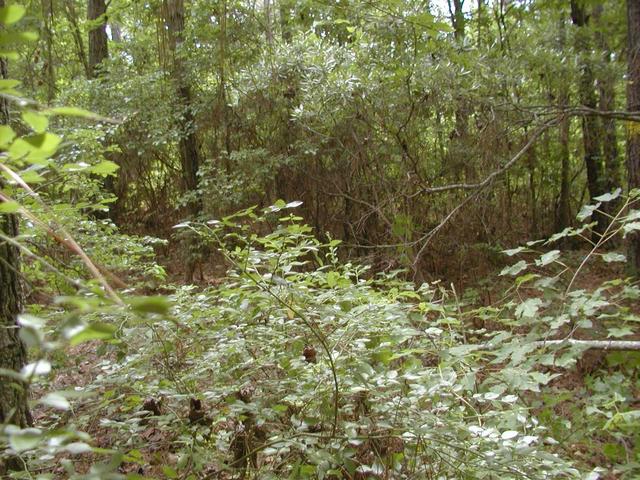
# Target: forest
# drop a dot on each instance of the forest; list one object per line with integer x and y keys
{"x": 320, "y": 239}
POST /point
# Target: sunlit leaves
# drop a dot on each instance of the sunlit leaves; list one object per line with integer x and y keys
{"x": 39, "y": 367}
{"x": 104, "y": 168}
{"x": 514, "y": 269}
{"x": 55, "y": 400}
{"x": 613, "y": 257}
{"x": 25, "y": 439}
{"x": 6, "y": 136}
{"x": 9, "y": 207}
{"x": 92, "y": 331}
{"x": 586, "y": 211}
{"x": 35, "y": 148}
{"x": 36, "y": 121}
{"x": 11, "y": 14}
{"x": 548, "y": 258}
{"x": 529, "y": 308}
{"x": 608, "y": 197}
{"x": 158, "y": 305}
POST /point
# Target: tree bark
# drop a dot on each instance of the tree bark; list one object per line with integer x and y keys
{"x": 590, "y": 127}
{"x": 633, "y": 105}
{"x": 607, "y": 102}
{"x": 188, "y": 143}
{"x": 98, "y": 49}
{"x": 563, "y": 215}
{"x": 457, "y": 19}
{"x": 14, "y": 408}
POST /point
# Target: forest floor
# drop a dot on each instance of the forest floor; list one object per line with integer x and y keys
{"x": 82, "y": 364}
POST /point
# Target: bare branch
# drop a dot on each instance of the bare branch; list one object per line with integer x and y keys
{"x": 615, "y": 345}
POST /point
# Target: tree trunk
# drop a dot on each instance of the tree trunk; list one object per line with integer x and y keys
{"x": 285, "y": 20}
{"x": 98, "y": 50}
{"x": 590, "y": 126}
{"x": 47, "y": 37}
{"x": 633, "y": 105}
{"x": 563, "y": 214}
{"x": 188, "y": 144}
{"x": 607, "y": 102}
{"x": 13, "y": 355}
{"x": 457, "y": 19}
{"x": 13, "y": 395}
{"x": 72, "y": 18}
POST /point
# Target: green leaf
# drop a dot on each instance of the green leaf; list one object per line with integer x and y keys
{"x": 624, "y": 419}
{"x": 9, "y": 207}
{"x": 39, "y": 367}
{"x": 74, "y": 112}
{"x": 104, "y": 168}
{"x": 332, "y": 279}
{"x": 6, "y": 136}
{"x": 620, "y": 332}
{"x": 462, "y": 350}
{"x": 614, "y": 452}
{"x": 44, "y": 141}
{"x": 527, "y": 277}
{"x": 514, "y": 251}
{"x": 55, "y": 400}
{"x": 587, "y": 211}
{"x": 78, "y": 447}
{"x": 18, "y": 37}
{"x": 169, "y": 472}
{"x": 37, "y": 122}
{"x": 11, "y": 14}
{"x": 514, "y": 269}
{"x": 630, "y": 227}
{"x": 158, "y": 305}
{"x": 8, "y": 83}
{"x": 31, "y": 176}
{"x": 25, "y": 439}
{"x": 529, "y": 308}
{"x": 93, "y": 331}
{"x": 607, "y": 197}
{"x": 613, "y": 257}
{"x": 548, "y": 258}
{"x": 35, "y": 148}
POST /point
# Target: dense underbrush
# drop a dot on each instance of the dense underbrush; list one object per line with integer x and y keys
{"x": 300, "y": 366}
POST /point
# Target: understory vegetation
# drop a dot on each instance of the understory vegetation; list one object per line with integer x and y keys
{"x": 389, "y": 240}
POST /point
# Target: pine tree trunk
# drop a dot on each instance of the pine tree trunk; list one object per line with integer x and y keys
{"x": 563, "y": 214}
{"x": 98, "y": 50}
{"x": 13, "y": 355}
{"x": 633, "y": 105}
{"x": 591, "y": 131}
{"x": 14, "y": 408}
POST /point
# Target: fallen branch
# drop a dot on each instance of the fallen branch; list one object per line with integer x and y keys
{"x": 617, "y": 345}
